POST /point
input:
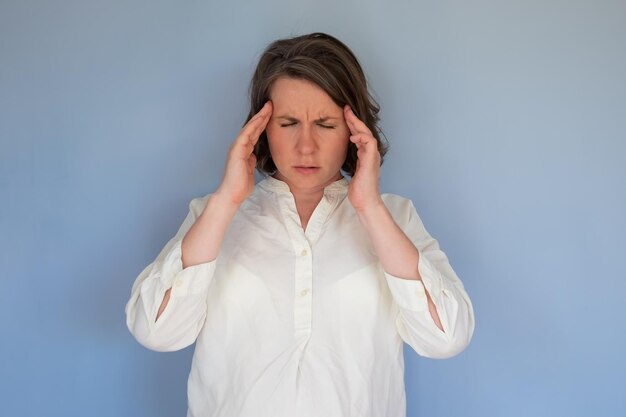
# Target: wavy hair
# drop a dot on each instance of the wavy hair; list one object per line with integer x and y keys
{"x": 326, "y": 62}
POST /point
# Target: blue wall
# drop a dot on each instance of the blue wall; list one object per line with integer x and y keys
{"x": 507, "y": 122}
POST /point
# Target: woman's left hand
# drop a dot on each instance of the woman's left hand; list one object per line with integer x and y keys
{"x": 363, "y": 191}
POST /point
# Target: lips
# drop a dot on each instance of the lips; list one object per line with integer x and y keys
{"x": 306, "y": 169}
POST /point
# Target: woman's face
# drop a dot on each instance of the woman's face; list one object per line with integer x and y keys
{"x": 307, "y": 135}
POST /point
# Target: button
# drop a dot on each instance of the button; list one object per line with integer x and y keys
{"x": 304, "y": 252}
{"x": 178, "y": 283}
{"x": 304, "y": 292}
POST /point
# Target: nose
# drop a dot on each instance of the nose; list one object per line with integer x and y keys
{"x": 306, "y": 141}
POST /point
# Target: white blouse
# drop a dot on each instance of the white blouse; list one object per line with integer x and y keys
{"x": 299, "y": 323}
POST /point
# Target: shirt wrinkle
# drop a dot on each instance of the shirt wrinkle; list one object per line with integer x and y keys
{"x": 292, "y": 322}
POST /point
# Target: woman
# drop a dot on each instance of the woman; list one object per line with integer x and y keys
{"x": 300, "y": 290}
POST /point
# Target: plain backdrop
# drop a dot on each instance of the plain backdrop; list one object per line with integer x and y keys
{"x": 507, "y": 124}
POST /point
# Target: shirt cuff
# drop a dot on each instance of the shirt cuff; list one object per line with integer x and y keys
{"x": 410, "y": 294}
{"x": 192, "y": 280}
{"x": 407, "y": 293}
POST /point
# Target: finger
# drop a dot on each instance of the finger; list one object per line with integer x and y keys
{"x": 266, "y": 116}
{"x": 258, "y": 129}
{"x": 252, "y": 130}
{"x": 261, "y": 117}
{"x": 364, "y": 140}
{"x": 263, "y": 111}
{"x": 367, "y": 147}
{"x": 355, "y": 124}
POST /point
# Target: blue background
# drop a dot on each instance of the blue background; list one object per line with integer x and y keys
{"x": 507, "y": 124}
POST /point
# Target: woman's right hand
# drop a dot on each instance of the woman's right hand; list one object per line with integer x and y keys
{"x": 238, "y": 181}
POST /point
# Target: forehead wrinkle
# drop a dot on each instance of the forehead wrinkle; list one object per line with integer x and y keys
{"x": 293, "y": 101}
{"x": 321, "y": 119}
{"x": 291, "y": 113}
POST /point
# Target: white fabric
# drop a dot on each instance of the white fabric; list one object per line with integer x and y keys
{"x": 299, "y": 323}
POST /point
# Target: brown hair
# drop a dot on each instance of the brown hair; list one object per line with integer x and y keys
{"x": 326, "y": 62}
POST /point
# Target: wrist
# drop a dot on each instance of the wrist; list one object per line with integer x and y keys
{"x": 225, "y": 199}
{"x": 220, "y": 205}
{"x": 372, "y": 210}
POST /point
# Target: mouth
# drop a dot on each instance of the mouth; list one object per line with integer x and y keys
{"x": 306, "y": 169}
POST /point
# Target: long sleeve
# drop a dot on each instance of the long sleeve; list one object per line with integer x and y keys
{"x": 180, "y": 323}
{"x": 414, "y": 322}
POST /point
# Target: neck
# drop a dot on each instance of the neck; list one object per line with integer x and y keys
{"x": 306, "y": 199}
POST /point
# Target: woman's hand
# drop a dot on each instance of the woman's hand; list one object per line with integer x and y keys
{"x": 238, "y": 181}
{"x": 363, "y": 191}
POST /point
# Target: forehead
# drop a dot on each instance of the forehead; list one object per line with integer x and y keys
{"x": 297, "y": 94}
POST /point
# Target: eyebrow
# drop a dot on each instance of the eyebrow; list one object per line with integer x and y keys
{"x": 320, "y": 120}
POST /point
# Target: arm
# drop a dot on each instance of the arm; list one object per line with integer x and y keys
{"x": 435, "y": 315}
{"x": 187, "y": 288}
{"x": 397, "y": 254}
{"x": 438, "y": 285}
{"x": 167, "y": 307}
{"x": 202, "y": 242}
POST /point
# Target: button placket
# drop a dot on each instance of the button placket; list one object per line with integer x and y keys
{"x": 303, "y": 273}
{"x": 302, "y": 286}
{"x": 302, "y": 241}
{"x": 307, "y": 289}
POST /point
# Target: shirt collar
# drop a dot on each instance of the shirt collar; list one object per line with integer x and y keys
{"x": 280, "y": 187}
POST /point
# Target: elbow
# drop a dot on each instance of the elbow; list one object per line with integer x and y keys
{"x": 155, "y": 341}
{"x": 453, "y": 341}
{"x": 435, "y": 343}
{"x": 450, "y": 346}
{"x": 154, "y": 337}
{"x": 158, "y": 345}
{"x": 442, "y": 347}
{"x": 457, "y": 333}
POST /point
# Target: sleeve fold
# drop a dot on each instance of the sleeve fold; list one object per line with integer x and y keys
{"x": 413, "y": 321}
{"x": 182, "y": 319}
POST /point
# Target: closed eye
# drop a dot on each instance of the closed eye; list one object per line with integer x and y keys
{"x": 324, "y": 126}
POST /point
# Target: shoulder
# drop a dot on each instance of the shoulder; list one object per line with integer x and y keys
{"x": 406, "y": 217}
{"x": 401, "y": 208}
{"x": 258, "y": 197}
{"x": 397, "y": 203}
